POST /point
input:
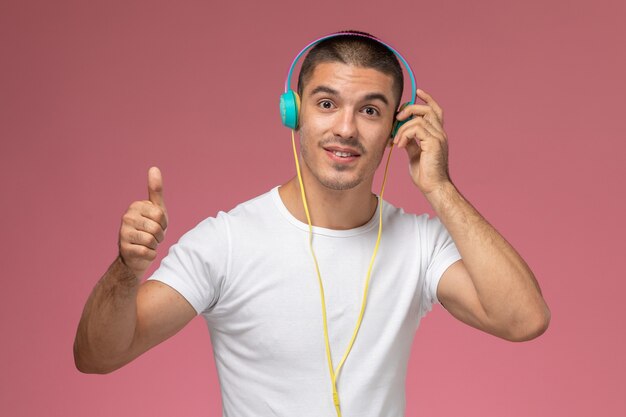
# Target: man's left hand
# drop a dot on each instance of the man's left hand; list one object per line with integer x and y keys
{"x": 426, "y": 143}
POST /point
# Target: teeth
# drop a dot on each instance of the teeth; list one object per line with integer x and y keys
{"x": 342, "y": 154}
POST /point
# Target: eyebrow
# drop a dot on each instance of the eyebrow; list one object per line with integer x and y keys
{"x": 376, "y": 96}
{"x": 332, "y": 91}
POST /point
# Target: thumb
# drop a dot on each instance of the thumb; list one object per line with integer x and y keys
{"x": 155, "y": 187}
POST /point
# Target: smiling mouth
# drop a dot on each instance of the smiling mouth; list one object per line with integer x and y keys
{"x": 342, "y": 153}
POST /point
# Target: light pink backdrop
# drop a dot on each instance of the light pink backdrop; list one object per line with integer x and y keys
{"x": 94, "y": 92}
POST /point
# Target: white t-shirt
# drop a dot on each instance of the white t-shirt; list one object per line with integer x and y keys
{"x": 250, "y": 273}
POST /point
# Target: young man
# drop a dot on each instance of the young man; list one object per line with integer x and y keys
{"x": 250, "y": 272}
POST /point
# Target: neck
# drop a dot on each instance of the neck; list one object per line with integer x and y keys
{"x": 331, "y": 209}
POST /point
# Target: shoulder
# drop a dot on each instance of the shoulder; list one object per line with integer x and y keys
{"x": 260, "y": 203}
{"x": 249, "y": 209}
{"x": 218, "y": 226}
{"x": 428, "y": 232}
{"x": 393, "y": 215}
{"x": 258, "y": 212}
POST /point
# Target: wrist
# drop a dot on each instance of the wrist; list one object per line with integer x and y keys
{"x": 442, "y": 196}
{"x": 124, "y": 273}
{"x": 440, "y": 191}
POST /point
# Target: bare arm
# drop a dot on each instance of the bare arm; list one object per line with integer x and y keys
{"x": 491, "y": 288}
{"x": 123, "y": 318}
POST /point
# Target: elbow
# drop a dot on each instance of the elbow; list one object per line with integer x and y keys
{"x": 89, "y": 368}
{"x": 531, "y": 327}
{"x": 87, "y": 365}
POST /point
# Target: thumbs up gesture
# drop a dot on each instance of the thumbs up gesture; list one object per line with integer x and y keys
{"x": 143, "y": 227}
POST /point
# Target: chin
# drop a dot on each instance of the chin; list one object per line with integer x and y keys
{"x": 340, "y": 184}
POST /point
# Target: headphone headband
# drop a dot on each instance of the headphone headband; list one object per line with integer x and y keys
{"x": 333, "y": 35}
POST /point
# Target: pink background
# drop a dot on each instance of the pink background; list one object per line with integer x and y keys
{"x": 93, "y": 93}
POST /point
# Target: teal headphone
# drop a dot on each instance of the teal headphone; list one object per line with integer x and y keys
{"x": 290, "y": 100}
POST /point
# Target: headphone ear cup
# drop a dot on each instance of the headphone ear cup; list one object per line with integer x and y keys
{"x": 397, "y": 123}
{"x": 289, "y": 109}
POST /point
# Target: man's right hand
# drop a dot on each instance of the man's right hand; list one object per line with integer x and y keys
{"x": 143, "y": 227}
{"x": 122, "y": 317}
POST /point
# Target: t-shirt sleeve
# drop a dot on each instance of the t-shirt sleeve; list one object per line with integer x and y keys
{"x": 196, "y": 265}
{"x": 441, "y": 253}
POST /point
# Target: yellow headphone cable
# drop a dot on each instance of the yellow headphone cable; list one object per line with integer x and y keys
{"x": 334, "y": 374}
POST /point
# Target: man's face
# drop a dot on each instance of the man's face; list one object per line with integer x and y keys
{"x": 345, "y": 122}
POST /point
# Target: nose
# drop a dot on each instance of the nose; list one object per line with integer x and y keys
{"x": 345, "y": 124}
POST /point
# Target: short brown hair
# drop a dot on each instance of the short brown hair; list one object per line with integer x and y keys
{"x": 361, "y": 51}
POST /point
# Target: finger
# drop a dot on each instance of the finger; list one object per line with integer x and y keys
{"x": 155, "y": 213}
{"x": 131, "y": 250}
{"x": 419, "y": 134}
{"x": 417, "y": 129}
{"x": 398, "y": 140}
{"x": 137, "y": 237}
{"x": 148, "y": 225}
{"x": 155, "y": 187}
{"x": 145, "y": 209}
{"x": 414, "y": 110}
{"x": 433, "y": 120}
{"x": 413, "y": 133}
{"x": 432, "y": 128}
{"x": 143, "y": 239}
{"x": 423, "y": 110}
{"x": 431, "y": 102}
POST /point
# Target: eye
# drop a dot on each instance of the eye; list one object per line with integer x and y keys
{"x": 325, "y": 104}
{"x": 371, "y": 111}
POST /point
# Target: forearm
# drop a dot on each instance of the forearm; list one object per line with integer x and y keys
{"x": 107, "y": 326}
{"x": 506, "y": 287}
